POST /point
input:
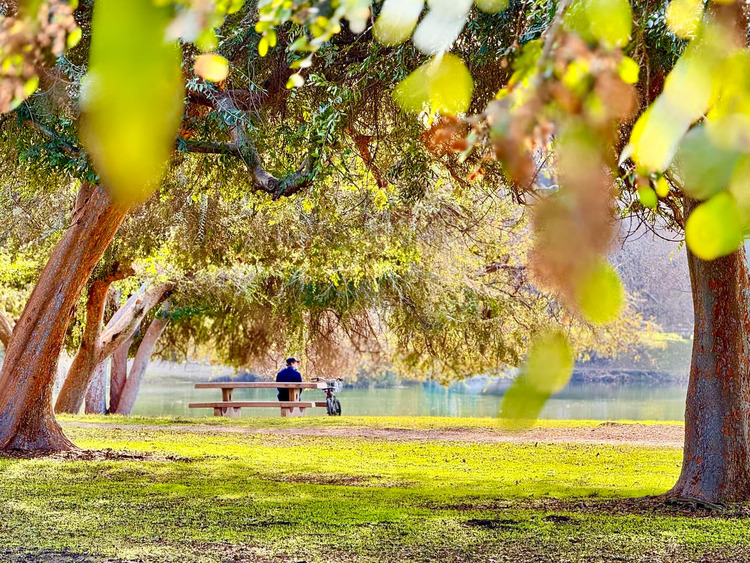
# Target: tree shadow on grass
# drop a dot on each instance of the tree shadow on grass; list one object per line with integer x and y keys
{"x": 93, "y": 455}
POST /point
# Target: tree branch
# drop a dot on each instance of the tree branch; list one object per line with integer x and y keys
{"x": 241, "y": 146}
{"x": 121, "y": 327}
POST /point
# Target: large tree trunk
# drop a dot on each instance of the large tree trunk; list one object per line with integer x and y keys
{"x": 716, "y": 458}
{"x": 27, "y": 420}
{"x": 118, "y": 374}
{"x": 96, "y": 402}
{"x": 119, "y": 329}
{"x": 140, "y": 362}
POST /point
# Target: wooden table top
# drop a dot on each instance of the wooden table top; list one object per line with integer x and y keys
{"x": 261, "y": 385}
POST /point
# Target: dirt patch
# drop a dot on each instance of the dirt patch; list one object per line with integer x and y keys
{"x": 92, "y": 455}
{"x": 669, "y": 435}
{"x": 493, "y": 524}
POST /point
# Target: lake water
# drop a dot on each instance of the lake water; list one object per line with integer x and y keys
{"x": 168, "y": 392}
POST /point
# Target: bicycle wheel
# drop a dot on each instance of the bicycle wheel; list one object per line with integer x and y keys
{"x": 330, "y": 406}
{"x": 336, "y": 407}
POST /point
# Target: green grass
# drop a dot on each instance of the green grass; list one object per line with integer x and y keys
{"x": 220, "y": 496}
{"x": 398, "y": 422}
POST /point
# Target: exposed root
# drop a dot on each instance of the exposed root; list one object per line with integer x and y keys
{"x": 693, "y": 503}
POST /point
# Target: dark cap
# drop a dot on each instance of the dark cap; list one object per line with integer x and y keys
{"x": 290, "y": 361}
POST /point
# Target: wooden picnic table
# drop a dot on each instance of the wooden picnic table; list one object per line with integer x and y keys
{"x": 229, "y": 408}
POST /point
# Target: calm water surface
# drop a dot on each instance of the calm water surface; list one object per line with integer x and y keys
{"x": 169, "y": 394}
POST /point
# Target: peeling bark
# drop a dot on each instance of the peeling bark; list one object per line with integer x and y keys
{"x": 716, "y": 456}
{"x": 88, "y": 357}
{"x": 118, "y": 373}
{"x": 27, "y": 420}
{"x": 129, "y": 393}
{"x": 6, "y": 329}
{"x": 118, "y": 330}
{"x": 96, "y": 402}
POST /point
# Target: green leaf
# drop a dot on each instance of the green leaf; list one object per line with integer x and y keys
{"x": 443, "y": 84}
{"x": 703, "y": 167}
{"x": 131, "y": 96}
{"x": 714, "y": 228}
{"x": 491, "y": 6}
{"x": 547, "y": 370}
{"x": 608, "y": 22}
{"x": 600, "y": 294}
{"x": 647, "y": 197}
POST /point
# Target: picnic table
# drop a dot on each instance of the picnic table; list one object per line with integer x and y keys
{"x": 230, "y": 408}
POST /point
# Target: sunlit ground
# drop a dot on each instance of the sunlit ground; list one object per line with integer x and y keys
{"x": 198, "y": 496}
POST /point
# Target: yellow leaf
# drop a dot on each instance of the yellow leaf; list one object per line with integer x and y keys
{"x": 662, "y": 187}
{"x": 295, "y": 81}
{"x": 628, "y": 70}
{"x": 683, "y": 17}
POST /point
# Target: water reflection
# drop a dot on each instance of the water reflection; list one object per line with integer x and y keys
{"x": 610, "y": 401}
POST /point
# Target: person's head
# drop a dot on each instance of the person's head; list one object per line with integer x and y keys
{"x": 291, "y": 362}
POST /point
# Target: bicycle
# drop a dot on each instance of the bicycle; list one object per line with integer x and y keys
{"x": 333, "y": 405}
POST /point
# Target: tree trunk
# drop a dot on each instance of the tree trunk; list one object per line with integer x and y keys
{"x": 95, "y": 396}
{"x": 26, "y": 418}
{"x": 118, "y": 374}
{"x": 119, "y": 329}
{"x": 716, "y": 457}
{"x": 88, "y": 358}
{"x": 6, "y": 329}
{"x": 140, "y": 362}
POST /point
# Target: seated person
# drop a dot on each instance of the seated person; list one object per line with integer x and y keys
{"x": 288, "y": 375}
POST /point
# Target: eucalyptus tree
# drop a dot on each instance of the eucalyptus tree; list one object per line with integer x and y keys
{"x": 674, "y": 135}
{"x": 68, "y": 124}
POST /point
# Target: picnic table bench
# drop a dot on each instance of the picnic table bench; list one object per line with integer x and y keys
{"x": 229, "y": 408}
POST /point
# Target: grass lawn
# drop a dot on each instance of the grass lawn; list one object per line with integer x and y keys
{"x": 166, "y": 495}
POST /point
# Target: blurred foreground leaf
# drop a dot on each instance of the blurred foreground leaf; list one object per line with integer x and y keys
{"x": 608, "y": 22}
{"x": 443, "y": 84}
{"x": 683, "y": 17}
{"x": 600, "y": 294}
{"x": 397, "y": 21}
{"x": 212, "y": 67}
{"x": 714, "y": 228}
{"x": 547, "y": 370}
{"x": 132, "y": 96}
{"x": 704, "y": 168}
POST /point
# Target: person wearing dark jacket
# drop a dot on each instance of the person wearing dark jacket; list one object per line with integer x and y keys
{"x": 288, "y": 375}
